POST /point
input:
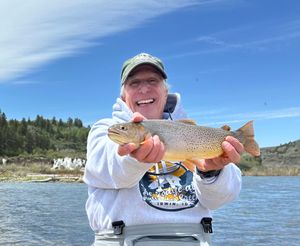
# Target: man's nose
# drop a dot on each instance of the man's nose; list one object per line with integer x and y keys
{"x": 144, "y": 87}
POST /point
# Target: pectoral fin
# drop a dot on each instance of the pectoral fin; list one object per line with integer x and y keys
{"x": 189, "y": 165}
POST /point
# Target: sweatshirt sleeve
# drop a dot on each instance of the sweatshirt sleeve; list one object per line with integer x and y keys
{"x": 105, "y": 168}
{"x": 223, "y": 190}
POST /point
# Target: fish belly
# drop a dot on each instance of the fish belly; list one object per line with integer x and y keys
{"x": 181, "y": 156}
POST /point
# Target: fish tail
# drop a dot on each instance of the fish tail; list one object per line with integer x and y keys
{"x": 249, "y": 142}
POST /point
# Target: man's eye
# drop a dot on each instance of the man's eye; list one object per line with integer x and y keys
{"x": 134, "y": 83}
{"x": 153, "y": 81}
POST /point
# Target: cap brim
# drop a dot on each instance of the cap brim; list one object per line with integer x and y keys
{"x": 133, "y": 66}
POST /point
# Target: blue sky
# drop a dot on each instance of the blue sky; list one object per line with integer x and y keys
{"x": 231, "y": 60}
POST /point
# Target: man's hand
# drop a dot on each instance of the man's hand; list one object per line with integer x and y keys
{"x": 232, "y": 149}
{"x": 151, "y": 151}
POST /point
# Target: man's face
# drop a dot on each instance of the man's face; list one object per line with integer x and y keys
{"x": 145, "y": 92}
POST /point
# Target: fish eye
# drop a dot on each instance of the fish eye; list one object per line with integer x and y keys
{"x": 123, "y": 128}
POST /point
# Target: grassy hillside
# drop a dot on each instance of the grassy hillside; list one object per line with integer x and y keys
{"x": 278, "y": 160}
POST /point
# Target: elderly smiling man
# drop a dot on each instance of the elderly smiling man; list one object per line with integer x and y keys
{"x": 135, "y": 197}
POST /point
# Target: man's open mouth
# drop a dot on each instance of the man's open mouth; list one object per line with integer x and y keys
{"x": 145, "y": 101}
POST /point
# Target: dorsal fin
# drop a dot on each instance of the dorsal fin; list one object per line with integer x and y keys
{"x": 187, "y": 121}
{"x": 226, "y": 127}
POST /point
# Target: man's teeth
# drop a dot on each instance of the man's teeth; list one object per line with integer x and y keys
{"x": 145, "y": 101}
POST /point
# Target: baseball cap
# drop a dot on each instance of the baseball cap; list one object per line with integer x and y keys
{"x": 142, "y": 58}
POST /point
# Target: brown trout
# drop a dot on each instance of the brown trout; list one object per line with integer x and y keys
{"x": 182, "y": 139}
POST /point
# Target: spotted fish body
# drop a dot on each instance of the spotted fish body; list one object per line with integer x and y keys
{"x": 183, "y": 141}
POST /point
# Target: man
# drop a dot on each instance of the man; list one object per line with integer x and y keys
{"x": 135, "y": 197}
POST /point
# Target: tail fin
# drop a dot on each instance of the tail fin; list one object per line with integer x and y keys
{"x": 250, "y": 144}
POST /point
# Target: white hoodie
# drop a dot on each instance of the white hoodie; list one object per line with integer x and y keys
{"x": 121, "y": 188}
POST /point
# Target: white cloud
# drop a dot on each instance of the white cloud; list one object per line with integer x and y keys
{"x": 24, "y": 82}
{"x": 219, "y": 118}
{"x": 259, "y": 36}
{"x": 206, "y": 113}
{"x": 35, "y": 32}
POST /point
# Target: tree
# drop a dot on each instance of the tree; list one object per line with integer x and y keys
{"x": 40, "y": 122}
{"x": 54, "y": 121}
{"x": 3, "y": 134}
{"x": 78, "y": 123}
{"x": 29, "y": 144}
{"x": 70, "y": 122}
{"x": 60, "y": 123}
{"x": 3, "y": 120}
{"x": 22, "y": 129}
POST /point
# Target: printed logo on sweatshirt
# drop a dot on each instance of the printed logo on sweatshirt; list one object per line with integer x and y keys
{"x": 168, "y": 186}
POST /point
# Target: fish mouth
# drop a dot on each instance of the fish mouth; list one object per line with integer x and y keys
{"x": 145, "y": 101}
{"x": 114, "y": 135}
{"x": 112, "y": 131}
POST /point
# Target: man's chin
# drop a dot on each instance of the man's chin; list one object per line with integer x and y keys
{"x": 149, "y": 115}
{"x": 146, "y": 112}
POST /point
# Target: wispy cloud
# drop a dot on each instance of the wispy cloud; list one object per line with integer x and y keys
{"x": 24, "y": 82}
{"x": 206, "y": 113}
{"x": 260, "y": 36}
{"x": 255, "y": 44}
{"x": 220, "y": 118}
{"x": 35, "y": 32}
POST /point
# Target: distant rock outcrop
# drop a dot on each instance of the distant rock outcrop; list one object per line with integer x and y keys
{"x": 68, "y": 163}
{"x": 286, "y": 155}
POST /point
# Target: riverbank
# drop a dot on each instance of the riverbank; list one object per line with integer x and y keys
{"x": 272, "y": 171}
{"x": 38, "y": 172}
{"x": 41, "y": 173}
{"x": 44, "y": 178}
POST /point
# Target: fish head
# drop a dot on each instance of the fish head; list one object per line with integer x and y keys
{"x": 124, "y": 133}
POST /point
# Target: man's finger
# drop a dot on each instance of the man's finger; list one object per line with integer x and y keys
{"x": 235, "y": 143}
{"x": 137, "y": 117}
{"x": 126, "y": 149}
{"x": 143, "y": 150}
{"x": 231, "y": 152}
{"x": 157, "y": 152}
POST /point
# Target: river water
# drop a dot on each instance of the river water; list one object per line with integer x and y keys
{"x": 266, "y": 213}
